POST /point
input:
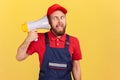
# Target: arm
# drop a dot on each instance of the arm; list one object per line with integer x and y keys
{"x": 76, "y": 70}
{"x": 21, "y": 52}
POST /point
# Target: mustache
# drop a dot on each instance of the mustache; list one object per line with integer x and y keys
{"x": 62, "y": 25}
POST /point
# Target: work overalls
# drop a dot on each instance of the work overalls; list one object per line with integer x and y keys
{"x": 57, "y": 62}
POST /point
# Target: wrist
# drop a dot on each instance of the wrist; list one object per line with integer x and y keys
{"x": 27, "y": 40}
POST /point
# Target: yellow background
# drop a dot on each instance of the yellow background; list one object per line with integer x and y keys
{"x": 96, "y": 23}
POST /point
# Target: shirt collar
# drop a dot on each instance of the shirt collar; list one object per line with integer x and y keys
{"x": 52, "y": 36}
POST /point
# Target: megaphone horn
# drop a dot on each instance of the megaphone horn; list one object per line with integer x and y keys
{"x": 38, "y": 24}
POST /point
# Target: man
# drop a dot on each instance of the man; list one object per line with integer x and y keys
{"x": 59, "y": 53}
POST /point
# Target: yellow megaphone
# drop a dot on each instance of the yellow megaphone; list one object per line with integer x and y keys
{"x": 38, "y": 24}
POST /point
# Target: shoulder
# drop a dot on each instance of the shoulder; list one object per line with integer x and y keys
{"x": 41, "y": 35}
{"x": 74, "y": 41}
{"x": 73, "y": 38}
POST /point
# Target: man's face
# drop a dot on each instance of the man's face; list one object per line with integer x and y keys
{"x": 58, "y": 22}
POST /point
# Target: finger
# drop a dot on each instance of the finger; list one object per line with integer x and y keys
{"x": 34, "y": 31}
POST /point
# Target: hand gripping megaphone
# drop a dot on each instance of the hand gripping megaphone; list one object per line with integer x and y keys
{"x": 38, "y": 24}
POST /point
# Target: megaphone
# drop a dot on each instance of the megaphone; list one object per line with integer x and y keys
{"x": 38, "y": 24}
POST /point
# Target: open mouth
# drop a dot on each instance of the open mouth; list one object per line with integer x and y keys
{"x": 59, "y": 27}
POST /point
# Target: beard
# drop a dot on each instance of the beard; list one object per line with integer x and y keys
{"x": 59, "y": 33}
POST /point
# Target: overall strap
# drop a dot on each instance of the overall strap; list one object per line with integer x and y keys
{"x": 67, "y": 40}
{"x": 46, "y": 39}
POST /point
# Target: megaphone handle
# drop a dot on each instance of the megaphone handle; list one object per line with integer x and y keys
{"x": 36, "y": 40}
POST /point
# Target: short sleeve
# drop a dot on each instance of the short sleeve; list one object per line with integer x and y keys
{"x": 32, "y": 48}
{"x": 77, "y": 55}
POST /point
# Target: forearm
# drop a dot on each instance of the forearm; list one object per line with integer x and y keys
{"x": 21, "y": 52}
{"x": 76, "y": 70}
{"x": 76, "y": 75}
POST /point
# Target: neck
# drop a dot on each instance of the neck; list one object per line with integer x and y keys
{"x": 58, "y": 36}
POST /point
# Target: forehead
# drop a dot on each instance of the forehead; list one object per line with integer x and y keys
{"x": 57, "y": 13}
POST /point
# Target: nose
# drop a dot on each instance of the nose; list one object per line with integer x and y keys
{"x": 59, "y": 21}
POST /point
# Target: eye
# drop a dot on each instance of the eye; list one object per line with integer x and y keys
{"x": 62, "y": 17}
{"x": 55, "y": 17}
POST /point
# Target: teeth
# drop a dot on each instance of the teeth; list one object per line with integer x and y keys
{"x": 59, "y": 27}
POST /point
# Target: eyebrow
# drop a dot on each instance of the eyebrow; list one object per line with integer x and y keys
{"x": 60, "y": 16}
